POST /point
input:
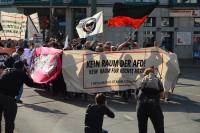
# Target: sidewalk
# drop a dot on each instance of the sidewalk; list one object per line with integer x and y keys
{"x": 188, "y": 63}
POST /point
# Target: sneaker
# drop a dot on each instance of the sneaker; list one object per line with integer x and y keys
{"x": 19, "y": 101}
{"x": 167, "y": 99}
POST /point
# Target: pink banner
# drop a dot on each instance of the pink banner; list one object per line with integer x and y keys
{"x": 46, "y": 64}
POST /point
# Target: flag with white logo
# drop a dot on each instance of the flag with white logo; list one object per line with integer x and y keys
{"x": 90, "y": 26}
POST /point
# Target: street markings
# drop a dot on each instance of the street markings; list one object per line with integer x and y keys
{"x": 128, "y": 117}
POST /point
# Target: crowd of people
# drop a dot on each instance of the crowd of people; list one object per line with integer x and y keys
{"x": 78, "y": 44}
{"x": 17, "y": 68}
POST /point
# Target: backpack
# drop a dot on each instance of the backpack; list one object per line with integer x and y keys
{"x": 148, "y": 83}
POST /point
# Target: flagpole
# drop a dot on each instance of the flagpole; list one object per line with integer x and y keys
{"x": 93, "y": 11}
{"x": 131, "y": 32}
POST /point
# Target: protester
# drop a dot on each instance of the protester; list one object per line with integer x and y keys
{"x": 99, "y": 47}
{"x": 10, "y": 82}
{"x": 88, "y": 46}
{"x": 107, "y": 46}
{"x": 17, "y": 57}
{"x": 95, "y": 113}
{"x": 156, "y": 44}
{"x": 8, "y": 43}
{"x": 127, "y": 45}
{"x": 113, "y": 48}
{"x": 75, "y": 44}
{"x": 9, "y": 62}
{"x": 148, "y": 102}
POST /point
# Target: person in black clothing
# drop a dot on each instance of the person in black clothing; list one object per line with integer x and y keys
{"x": 9, "y": 62}
{"x": 10, "y": 81}
{"x": 148, "y": 102}
{"x": 95, "y": 113}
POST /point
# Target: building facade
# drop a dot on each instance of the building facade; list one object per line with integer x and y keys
{"x": 173, "y": 23}
{"x": 7, "y": 6}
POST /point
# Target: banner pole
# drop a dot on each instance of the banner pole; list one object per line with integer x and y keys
{"x": 159, "y": 73}
{"x": 1, "y": 28}
{"x": 4, "y": 35}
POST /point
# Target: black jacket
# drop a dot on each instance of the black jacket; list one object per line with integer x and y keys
{"x": 94, "y": 118}
{"x": 12, "y": 79}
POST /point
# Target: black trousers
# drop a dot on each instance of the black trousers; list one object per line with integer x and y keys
{"x": 152, "y": 111}
{"x": 8, "y": 108}
{"x": 89, "y": 130}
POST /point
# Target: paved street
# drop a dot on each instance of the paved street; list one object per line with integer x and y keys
{"x": 43, "y": 113}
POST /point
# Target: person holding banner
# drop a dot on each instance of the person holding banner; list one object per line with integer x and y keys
{"x": 10, "y": 82}
{"x": 148, "y": 102}
{"x": 107, "y": 46}
{"x": 95, "y": 113}
{"x": 17, "y": 56}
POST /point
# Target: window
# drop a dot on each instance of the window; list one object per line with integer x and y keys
{"x": 197, "y": 32}
{"x": 149, "y": 38}
{"x": 184, "y": 3}
{"x": 135, "y": 36}
{"x": 187, "y": 1}
{"x": 167, "y": 40}
{"x": 80, "y": 2}
{"x": 197, "y": 22}
{"x": 6, "y": 1}
{"x": 150, "y": 22}
{"x": 167, "y": 22}
{"x": 141, "y": 0}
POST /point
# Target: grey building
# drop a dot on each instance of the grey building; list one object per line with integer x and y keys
{"x": 174, "y": 23}
{"x": 7, "y": 6}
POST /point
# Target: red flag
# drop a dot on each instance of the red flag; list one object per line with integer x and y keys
{"x": 125, "y": 21}
{"x": 130, "y": 15}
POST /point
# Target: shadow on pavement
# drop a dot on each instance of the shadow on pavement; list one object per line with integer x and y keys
{"x": 177, "y": 103}
{"x": 187, "y": 85}
{"x": 36, "y": 107}
{"x": 79, "y": 100}
{"x": 197, "y": 120}
{"x": 190, "y": 73}
{"x": 180, "y": 103}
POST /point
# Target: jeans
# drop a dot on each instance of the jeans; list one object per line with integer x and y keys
{"x": 20, "y": 93}
{"x": 105, "y": 131}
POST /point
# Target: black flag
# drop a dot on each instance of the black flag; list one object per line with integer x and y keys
{"x": 133, "y": 15}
